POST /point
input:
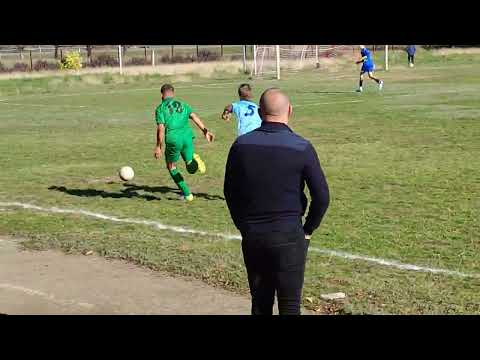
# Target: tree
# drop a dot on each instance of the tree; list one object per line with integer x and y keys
{"x": 89, "y": 52}
{"x": 20, "y": 48}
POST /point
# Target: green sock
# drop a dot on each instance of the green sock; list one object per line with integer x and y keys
{"x": 192, "y": 166}
{"x": 178, "y": 178}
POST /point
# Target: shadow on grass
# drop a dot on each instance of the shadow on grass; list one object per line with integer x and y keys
{"x": 102, "y": 193}
{"x": 130, "y": 191}
{"x": 166, "y": 189}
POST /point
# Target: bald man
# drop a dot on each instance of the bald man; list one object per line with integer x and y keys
{"x": 265, "y": 178}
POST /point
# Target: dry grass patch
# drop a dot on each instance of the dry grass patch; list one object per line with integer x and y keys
{"x": 456, "y": 51}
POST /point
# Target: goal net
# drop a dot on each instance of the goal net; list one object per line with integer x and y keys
{"x": 272, "y": 60}
{"x": 268, "y": 58}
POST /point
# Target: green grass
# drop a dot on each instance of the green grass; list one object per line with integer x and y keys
{"x": 402, "y": 166}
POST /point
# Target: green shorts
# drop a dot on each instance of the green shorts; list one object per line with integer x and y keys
{"x": 179, "y": 145}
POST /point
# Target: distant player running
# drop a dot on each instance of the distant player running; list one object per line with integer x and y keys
{"x": 175, "y": 135}
{"x": 367, "y": 67}
{"x": 245, "y": 110}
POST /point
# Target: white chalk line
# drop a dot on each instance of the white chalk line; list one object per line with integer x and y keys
{"x": 296, "y": 105}
{"x": 198, "y": 108}
{"x": 49, "y": 297}
{"x": 219, "y": 110}
{"x": 3, "y": 102}
{"x": 160, "y": 226}
{"x": 329, "y": 103}
{"x": 155, "y": 224}
{"x": 108, "y": 92}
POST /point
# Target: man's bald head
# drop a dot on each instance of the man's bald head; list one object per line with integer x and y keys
{"x": 275, "y": 106}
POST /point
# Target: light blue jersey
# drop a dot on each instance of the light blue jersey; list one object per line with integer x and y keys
{"x": 247, "y": 116}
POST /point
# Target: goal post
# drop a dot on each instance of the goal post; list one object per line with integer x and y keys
{"x": 255, "y": 60}
{"x": 120, "y": 59}
{"x": 277, "y": 52}
{"x": 386, "y": 57}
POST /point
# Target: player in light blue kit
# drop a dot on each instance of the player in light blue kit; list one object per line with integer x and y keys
{"x": 245, "y": 110}
{"x": 367, "y": 67}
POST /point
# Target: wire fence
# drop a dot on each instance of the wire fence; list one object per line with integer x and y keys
{"x": 47, "y": 57}
{"x": 39, "y": 57}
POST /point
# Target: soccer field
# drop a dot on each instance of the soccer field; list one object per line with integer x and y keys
{"x": 401, "y": 235}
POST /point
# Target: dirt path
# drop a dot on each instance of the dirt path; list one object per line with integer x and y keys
{"x": 49, "y": 282}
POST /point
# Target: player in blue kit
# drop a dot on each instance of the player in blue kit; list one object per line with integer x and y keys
{"x": 367, "y": 67}
{"x": 245, "y": 110}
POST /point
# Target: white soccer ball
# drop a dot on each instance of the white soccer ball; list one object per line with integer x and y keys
{"x": 126, "y": 173}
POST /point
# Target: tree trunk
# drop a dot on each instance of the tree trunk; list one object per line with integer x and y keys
{"x": 56, "y": 51}
{"x": 89, "y": 53}
{"x": 20, "y": 49}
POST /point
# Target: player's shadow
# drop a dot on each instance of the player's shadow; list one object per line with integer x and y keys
{"x": 126, "y": 193}
{"x": 166, "y": 190}
{"x": 130, "y": 191}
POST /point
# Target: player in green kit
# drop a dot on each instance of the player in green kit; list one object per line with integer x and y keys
{"x": 175, "y": 136}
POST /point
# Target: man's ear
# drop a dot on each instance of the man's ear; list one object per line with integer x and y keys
{"x": 290, "y": 110}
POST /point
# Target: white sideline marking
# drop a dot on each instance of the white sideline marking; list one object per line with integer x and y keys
{"x": 160, "y": 226}
{"x": 46, "y": 296}
{"x": 108, "y": 92}
{"x": 329, "y": 103}
{"x": 393, "y": 263}
{"x": 155, "y": 224}
{"x": 48, "y": 105}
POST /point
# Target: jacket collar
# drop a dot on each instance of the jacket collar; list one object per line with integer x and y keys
{"x": 274, "y": 127}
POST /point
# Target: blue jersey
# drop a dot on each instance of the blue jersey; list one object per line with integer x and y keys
{"x": 368, "y": 61}
{"x": 247, "y": 116}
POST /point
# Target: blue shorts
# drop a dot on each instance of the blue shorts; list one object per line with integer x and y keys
{"x": 367, "y": 67}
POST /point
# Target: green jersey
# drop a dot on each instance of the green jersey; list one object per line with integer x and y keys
{"x": 175, "y": 115}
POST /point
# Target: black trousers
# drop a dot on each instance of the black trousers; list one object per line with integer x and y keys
{"x": 275, "y": 262}
{"x": 411, "y": 59}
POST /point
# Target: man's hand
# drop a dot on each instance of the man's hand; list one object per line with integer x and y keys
{"x": 227, "y": 112}
{"x": 209, "y": 136}
{"x": 308, "y": 237}
{"x": 158, "y": 152}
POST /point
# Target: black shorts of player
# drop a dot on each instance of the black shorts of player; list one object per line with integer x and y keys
{"x": 275, "y": 263}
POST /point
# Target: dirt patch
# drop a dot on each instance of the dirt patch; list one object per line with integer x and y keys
{"x": 50, "y": 282}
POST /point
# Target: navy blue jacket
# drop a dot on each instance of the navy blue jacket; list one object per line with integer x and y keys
{"x": 411, "y": 49}
{"x": 265, "y": 178}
